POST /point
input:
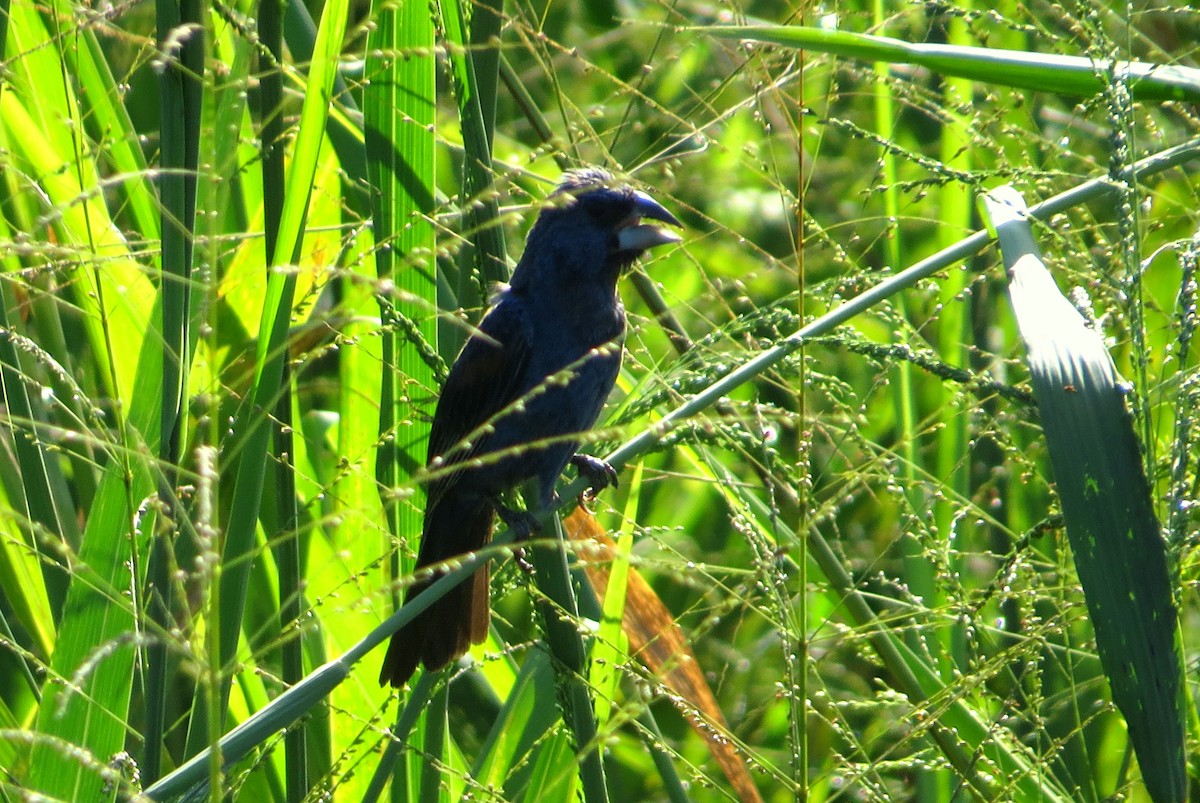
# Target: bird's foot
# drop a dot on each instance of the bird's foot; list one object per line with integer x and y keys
{"x": 522, "y": 523}
{"x": 599, "y": 474}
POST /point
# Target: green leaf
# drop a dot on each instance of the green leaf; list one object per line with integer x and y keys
{"x": 1044, "y": 72}
{"x": 251, "y": 423}
{"x": 1115, "y": 536}
{"x": 399, "y": 128}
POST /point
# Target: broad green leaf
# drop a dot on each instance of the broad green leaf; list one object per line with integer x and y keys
{"x": 1116, "y": 538}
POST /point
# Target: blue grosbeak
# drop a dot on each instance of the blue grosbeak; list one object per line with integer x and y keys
{"x": 528, "y": 383}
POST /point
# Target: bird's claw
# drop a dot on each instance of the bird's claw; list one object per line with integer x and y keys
{"x": 521, "y": 557}
{"x": 599, "y": 474}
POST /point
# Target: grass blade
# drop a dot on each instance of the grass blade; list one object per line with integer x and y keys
{"x": 181, "y": 38}
{"x": 399, "y": 118}
{"x": 1043, "y": 72}
{"x": 559, "y": 613}
{"x": 399, "y": 122}
{"x": 1115, "y": 536}
{"x": 272, "y": 339}
{"x": 483, "y": 261}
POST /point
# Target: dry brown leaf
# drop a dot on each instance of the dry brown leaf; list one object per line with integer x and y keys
{"x": 658, "y": 643}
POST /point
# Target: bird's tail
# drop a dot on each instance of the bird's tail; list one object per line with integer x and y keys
{"x": 455, "y": 524}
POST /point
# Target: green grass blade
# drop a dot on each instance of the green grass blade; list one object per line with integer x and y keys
{"x": 552, "y": 778}
{"x": 39, "y": 472}
{"x": 610, "y": 646}
{"x": 309, "y": 139}
{"x": 108, "y": 122}
{"x": 345, "y": 136}
{"x": 180, "y": 95}
{"x": 485, "y": 254}
{"x": 45, "y": 122}
{"x": 95, "y": 651}
{"x": 523, "y": 722}
{"x": 399, "y": 119}
{"x": 1043, "y": 72}
{"x": 287, "y": 552}
{"x": 487, "y": 19}
{"x": 400, "y": 113}
{"x": 272, "y": 340}
{"x": 116, "y": 299}
{"x": 560, "y": 615}
{"x": 1115, "y": 537}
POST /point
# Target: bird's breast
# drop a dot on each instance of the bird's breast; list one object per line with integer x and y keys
{"x": 579, "y": 321}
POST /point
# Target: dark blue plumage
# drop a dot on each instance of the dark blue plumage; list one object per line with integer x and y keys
{"x": 526, "y": 386}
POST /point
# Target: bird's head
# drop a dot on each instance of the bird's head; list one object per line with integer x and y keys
{"x": 591, "y": 227}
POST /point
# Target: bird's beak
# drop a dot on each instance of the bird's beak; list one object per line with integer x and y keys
{"x": 633, "y": 236}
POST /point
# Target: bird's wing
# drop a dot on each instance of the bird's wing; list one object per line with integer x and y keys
{"x": 487, "y": 377}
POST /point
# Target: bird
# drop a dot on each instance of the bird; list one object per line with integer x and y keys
{"x": 528, "y": 384}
